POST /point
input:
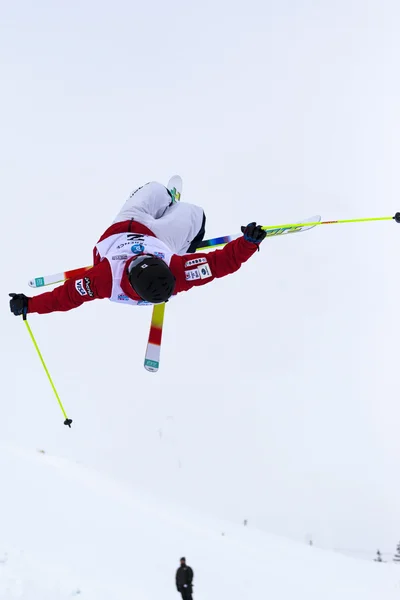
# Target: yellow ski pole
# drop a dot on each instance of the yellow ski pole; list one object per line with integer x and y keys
{"x": 67, "y": 421}
{"x": 315, "y": 223}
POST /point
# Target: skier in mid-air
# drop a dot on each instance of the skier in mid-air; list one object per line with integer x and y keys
{"x": 147, "y": 256}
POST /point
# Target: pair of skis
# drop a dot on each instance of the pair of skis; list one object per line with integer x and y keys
{"x": 153, "y": 349}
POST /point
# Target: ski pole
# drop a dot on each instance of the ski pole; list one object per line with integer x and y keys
{"x": 315, "y": 223}
{"x": 67, "y": 421}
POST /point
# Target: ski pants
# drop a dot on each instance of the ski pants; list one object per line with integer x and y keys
{"x": 186, "y": 594}
{"x": 181, "y": 226}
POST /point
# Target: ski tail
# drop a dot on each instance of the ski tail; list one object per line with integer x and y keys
{"x": 175, "y": 185}
{"x": 153, "y": 350}
{"x": 38, "y": 282}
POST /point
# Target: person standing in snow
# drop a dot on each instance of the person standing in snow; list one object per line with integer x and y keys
{"x": 146, "y": 256}
{"x": 184, "y": 580}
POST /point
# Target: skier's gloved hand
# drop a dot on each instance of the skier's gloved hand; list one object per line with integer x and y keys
{"x": 253, "y": 233}
{"x": 19, "y": 304}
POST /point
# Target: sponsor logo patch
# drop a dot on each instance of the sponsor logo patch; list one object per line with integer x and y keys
{"x": 205, "y": 271}
{"x": 79, "y": 287}
{"x": 120, "y": 257}
{"x": 195, "y": 261}
{"x": 192, "y": 274}
{"x": 123, "y": 297}
{"x": 133, "y": 238}
{"x": 159, "y": 255}
{"x": 137, "y": 248}
{"x": 88, "y": 288}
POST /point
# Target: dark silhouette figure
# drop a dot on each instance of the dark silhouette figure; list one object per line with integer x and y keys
{"x": 184, "y": 580}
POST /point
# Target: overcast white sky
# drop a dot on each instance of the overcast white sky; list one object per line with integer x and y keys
{"x": 278, "y": 398}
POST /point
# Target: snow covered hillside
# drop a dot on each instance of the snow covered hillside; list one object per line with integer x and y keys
{"x": 68, "y": 531}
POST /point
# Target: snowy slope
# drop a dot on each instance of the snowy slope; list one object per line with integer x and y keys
{"x": 69, "y": 531}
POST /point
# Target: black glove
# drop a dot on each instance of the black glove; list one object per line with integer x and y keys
{"x": 253, "y": 233}
{"x": 19, "y": 304}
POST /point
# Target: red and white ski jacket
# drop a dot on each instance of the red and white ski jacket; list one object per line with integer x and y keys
{"x": 108, "y": 277}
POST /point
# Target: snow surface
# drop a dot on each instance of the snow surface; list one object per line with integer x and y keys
{"x": 73, "y": 532}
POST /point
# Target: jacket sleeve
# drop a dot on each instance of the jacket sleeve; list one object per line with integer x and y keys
{"x": 190, "y": 575}
{"x": 200, "y": 268}
{"x": 95, "y": 283}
